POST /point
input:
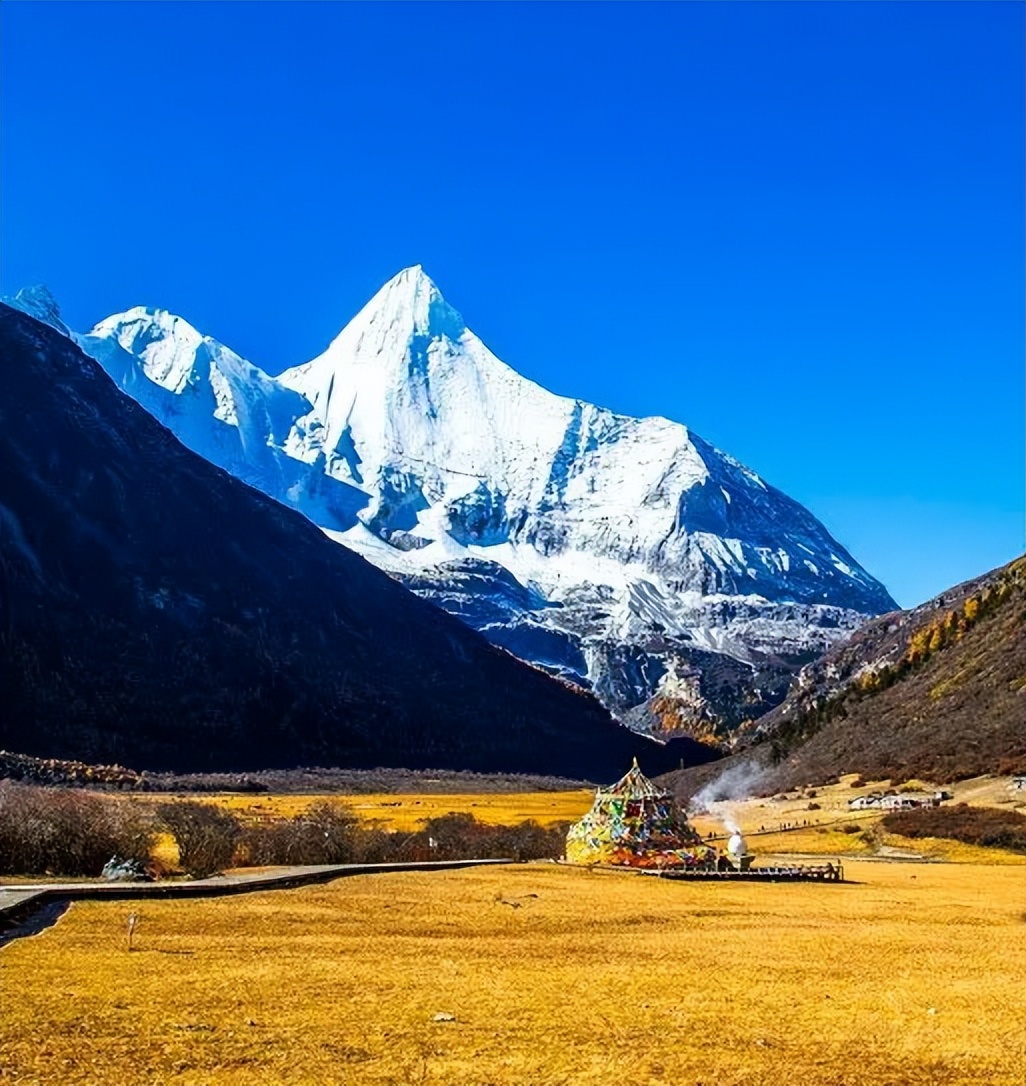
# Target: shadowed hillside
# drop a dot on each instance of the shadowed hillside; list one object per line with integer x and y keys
{"x": 937, "y": 692}
{"x": 156, "y": 612}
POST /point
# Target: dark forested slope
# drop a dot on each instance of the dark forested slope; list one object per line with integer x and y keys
{"x": 157, "y": 612}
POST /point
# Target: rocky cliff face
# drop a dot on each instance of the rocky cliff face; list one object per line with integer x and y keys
{"x": 618, "y": 553}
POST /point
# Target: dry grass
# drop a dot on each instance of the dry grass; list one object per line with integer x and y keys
{"x": 911, "y": 977}
{"x": 407, "y": 812}
{"x": 823, "y": 835}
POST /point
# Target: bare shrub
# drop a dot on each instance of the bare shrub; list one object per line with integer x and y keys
{"x": 462, "y": 837}
{"x": 338, "y": 829}
{"x": 47, "y": 831}
{"x": 329, "y": 833}
{"x": 457, "y": 836}
{"x": 326, "y": 833}
{"x": 266, "y": 845}
{"x": 986, "y": 826}
{"x": 206, "y": 835}
{"x": 377, "y": 846}
{"x": 530, "y": 841}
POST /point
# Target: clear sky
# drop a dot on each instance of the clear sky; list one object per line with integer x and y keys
{"x": 797, "y": 228}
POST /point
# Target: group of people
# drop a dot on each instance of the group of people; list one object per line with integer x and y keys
{"x": 782, "y": 826}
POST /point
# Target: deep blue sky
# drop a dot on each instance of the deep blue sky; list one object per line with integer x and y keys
{"x": 797, "y": 228}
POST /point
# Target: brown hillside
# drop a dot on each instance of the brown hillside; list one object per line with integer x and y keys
{"x": 938, "y": 692}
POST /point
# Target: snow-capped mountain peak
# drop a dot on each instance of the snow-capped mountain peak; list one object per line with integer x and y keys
{"x": 168, "y": 347}
{"x": 612, "y": 550}
{"x": 408, "y": 310}
{"x": 173, "y": 354}
{"x": 38, "y": 302}
{"x": 413, "y": 297}
{"x": 408, "y": 390}
{"x": 219, "y": 405}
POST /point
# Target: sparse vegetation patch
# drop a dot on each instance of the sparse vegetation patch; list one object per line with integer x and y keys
{"x": 45, "y": 831}
{"x": 48, "y": 831}
{"x": 985, "y": 826}
{"x": 205, "y": 834}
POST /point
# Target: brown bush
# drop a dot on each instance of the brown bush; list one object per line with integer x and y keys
{"x": 986, "y": 826}
{"x": 530, "y": 841}
{"x": 326, "y": 833}
{"x": 458, "y": 836}
{"x": 377, "y": 846}
{"x": 462, "y": 837}
{"x": 47, "y": 831}
{"x": 206, "y": 835}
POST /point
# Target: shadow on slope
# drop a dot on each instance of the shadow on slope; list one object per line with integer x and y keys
{"x": 158, "y": 612}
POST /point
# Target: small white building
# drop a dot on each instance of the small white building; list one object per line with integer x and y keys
{"x": 904, "y": 801}
{"x": 864, "y": 803}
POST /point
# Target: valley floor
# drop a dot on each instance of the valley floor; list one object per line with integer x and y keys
{"x": 912, "y": 974}
{"x": 818, "y": 821}
{"x": 783, "y": 824}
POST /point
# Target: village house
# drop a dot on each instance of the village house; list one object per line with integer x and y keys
{"x": 903, "y": 801}
{"x": 863, "y": 803}
{"x": 896, "y": 801}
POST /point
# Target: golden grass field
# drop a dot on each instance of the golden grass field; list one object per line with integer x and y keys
{"x": 822, "y": 836}
{"x": 406, "y": 812}
{"x": 914, "y": 975}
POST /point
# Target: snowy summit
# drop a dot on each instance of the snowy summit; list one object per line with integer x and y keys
{"x": 625, "y": 554}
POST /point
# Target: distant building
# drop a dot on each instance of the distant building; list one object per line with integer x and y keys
{"x": 896, "y": 801}
{"x": 862, "y": 803}
{"x": 1019, "y": 783}
{"x": 903, "y": 801}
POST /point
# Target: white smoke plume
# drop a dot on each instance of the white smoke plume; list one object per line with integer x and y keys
{"x": 731, "y": 786}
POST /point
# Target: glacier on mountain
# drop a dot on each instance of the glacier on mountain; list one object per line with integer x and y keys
{"x": 628, "y": 555}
